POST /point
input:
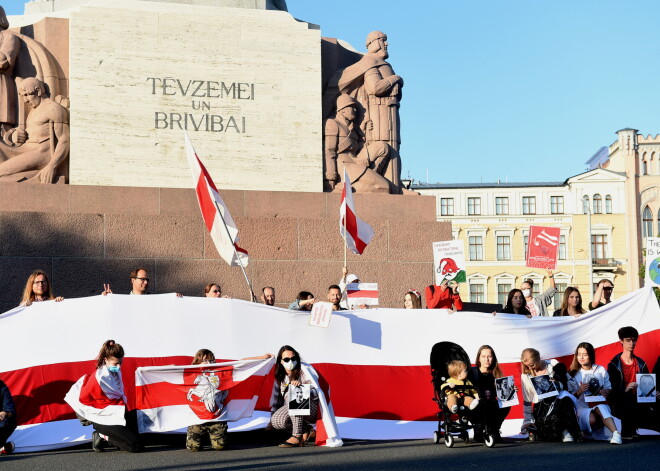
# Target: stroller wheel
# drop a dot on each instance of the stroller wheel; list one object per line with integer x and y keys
{"x": 436, "y": 437}
{"x": 449, "y": 440}
{"x": 489, "y": 440}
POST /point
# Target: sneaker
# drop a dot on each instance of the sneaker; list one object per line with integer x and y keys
{"x": 98, "y": 444}
{"x": 454, "y": 408}
{"x": 474, "y": 404}
{"x": 532, "y": 437}
{"x": 8, "y": 449}
{"x": 616, "y": 439}
{"x": 567, "y": 437}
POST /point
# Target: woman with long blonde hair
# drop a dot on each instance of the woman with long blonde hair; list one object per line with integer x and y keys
{"x": 38, "y": 288}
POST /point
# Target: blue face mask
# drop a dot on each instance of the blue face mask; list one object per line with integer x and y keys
{"x": 114, "y": 369}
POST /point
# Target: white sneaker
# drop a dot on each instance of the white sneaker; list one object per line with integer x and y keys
{"x": 454, "y": 408}
{"x": 567, "y": 438}
{"x": 616, "y": 439}
{"x": 474, "y": 404}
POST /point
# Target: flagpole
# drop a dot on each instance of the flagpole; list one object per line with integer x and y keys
{"x": 240, "y": 262}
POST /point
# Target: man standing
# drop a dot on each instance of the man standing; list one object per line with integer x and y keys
{"x": 268, "y": 296}
{"x": 603, "y": 294}
{"x": 334, "y": 297}
{"x": 140, "y": 281}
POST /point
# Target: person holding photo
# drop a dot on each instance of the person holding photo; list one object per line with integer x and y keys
{"x": 593, "y": 418}
{"x": 483, "y": 377}
{"x": 552, "y": 418}
{"x": 289, "y": 375}
{"x": 646, "y": 386}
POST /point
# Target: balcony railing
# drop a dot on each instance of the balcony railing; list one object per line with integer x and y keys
{"x": 605, "y": 263}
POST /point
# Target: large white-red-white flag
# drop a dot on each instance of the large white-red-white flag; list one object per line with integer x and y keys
{"x": 214, "y": 210}
{"x": 354, "y": 230}
{"x": 99, "y": 398}
{"x": 172, "y": 397}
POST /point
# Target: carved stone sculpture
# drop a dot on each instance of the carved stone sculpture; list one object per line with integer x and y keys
{"x": 377, "y": 89}
{"x": 9, "y": 49}
{"x": 37, "y": 148}
{"x": 344, "y": 147}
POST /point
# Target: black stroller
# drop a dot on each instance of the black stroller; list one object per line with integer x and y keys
{"x": 452, "y": 424}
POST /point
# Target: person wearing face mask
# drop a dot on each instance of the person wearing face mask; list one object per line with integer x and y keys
{"x": 288, "y": 373}
{"x": 99, "y": 399}
{"x": 538, "y": 305}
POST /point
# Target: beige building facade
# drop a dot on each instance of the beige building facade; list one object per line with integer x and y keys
{"x": 493, "y": 220}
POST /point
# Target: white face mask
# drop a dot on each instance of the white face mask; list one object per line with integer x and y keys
{"x": 526, "y": 293}
{"x": 290, "y": 365}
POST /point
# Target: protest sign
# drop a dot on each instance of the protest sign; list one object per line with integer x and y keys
{"x": 320, "y": 315}
{"x": 359, "y": 294}
{"x": 652, "y": 277}
{"x": 542, "y": 247}
{"x": 449, "y": 261}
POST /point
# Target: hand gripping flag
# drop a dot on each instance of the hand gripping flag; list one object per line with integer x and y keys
{"x": 354, "y": 230}
{"x": 172, "y": 397}
{"x": 214, "y": 210}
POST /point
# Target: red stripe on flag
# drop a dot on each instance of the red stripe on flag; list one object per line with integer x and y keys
{"x": 362, "y": 294}
{"x": 350, "y": 223}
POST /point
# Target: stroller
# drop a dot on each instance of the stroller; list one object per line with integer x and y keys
{"x": 452, "y": 424}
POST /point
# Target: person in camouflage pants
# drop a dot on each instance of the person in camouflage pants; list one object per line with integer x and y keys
{"x": 217, "y": 434}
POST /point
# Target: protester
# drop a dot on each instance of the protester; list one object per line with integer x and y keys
{"x": 412, "y": 299}
{"x": 586, "y": 377}
{"x": 622, "y": 371}
{"x": 304, "y": 302}
{"x": 571, "y": 304}
{"x": 37, "y": 289}
{"x": 213, "y": 290}
{"x": 552, "y": 418}
{"x": 538, "y": 306}
{"x": 288, "y": 372}
{"x": 346, "y": 280}
{"x": 334, "y": 297}
{"x": 7, "y": 420}
{"x": 268, "y": 296}
{"x": 603, "y": 294}
{"x": 444, "y": 296}
{"x": 139, "y": 282}
{"x": 515, "y": 304}
{"x": 483, "y": 377}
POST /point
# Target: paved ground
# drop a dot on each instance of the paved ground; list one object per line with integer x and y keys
{"x": 252, "y": 452}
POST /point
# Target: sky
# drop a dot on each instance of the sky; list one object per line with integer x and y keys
{"x": 515, "y": 90}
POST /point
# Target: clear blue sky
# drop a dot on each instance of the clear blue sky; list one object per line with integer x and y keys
{"x": 524, "y": 90}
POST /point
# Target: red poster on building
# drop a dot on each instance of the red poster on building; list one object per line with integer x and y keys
{"x": 542, "y": 247}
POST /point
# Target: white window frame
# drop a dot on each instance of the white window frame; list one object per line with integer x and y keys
{"x": 478, "y": 279}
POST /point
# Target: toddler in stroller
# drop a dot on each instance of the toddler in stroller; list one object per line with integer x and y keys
{"x": 449, "y": 372}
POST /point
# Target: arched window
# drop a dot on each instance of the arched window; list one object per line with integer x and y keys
{"x": 598, "y": 204}
{"x": 647, "y": 223}
{"x": 608, "y": 204}
{"x": 645, "y": 169}
{"x": 585, "y": 204}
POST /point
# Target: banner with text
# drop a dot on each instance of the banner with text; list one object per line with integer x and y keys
{"x": 449, "y": 261}
{"x": 543, "y": 247}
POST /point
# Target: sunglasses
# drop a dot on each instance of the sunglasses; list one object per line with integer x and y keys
{"x": 287, "y": 360}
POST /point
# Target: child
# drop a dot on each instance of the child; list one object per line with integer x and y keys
{"x": 456, "y": 397}
{"x": 217, "y": 431}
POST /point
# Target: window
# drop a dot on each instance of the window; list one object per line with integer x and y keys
{"x": 561, "y": 287}
{"x": 525, "y": 241}
{"x": 647, "y": 223}
{"x": 529, "y": 204}
{"x": 645, "y": 168}
{"x": 608, "y": 204}
{"x": 598, "y": 246}
{"x": 503, "y": 248}
{"x": 598, "y": 204}
{"x": 557, "y": 204}
{"x": 562, "y": 248}
{"x": 476, "y": 248}
{"x": 446, "y": 206}
{"x": 474, "y": 206}
{"x": 585, "y": 204}
{"x": 501, "y": 205}
{"x": 503, "y": 292}
{"x": 476, "y": 293}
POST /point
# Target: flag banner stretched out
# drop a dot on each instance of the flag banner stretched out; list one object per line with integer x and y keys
{"x": 360, "y": 350}
{"x": 171, "y": 397}
{"x": 543, "y": 247}
{"x": 214, "y": 211}
{"x": 94, "y": 390}
{"x": 356, "y": 233}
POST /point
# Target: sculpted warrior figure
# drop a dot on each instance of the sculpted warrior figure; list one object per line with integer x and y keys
{"x": 9, "y": 48}
{"x": 344, "y": 147}
{"x": 377, "y": 88}
{"x": 44, "y": 142}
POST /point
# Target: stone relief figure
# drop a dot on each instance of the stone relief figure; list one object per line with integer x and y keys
{"x": 377, "y": 89}
{"x": 345, "y": 147}
{"x": 37, "y": 148}
{"x": 9, "y": 49}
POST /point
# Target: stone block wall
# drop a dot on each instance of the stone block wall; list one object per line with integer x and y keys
{"x": 84, "y": 236}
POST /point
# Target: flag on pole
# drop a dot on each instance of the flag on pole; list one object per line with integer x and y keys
{"x": 354, "y": 230}
{"x": 214, "y": 210}
{"x": 172, "y": 397}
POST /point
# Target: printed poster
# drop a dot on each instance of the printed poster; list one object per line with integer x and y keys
{"x": 449, "y": 261}
{"x": 543, "y": 247}
{"x": 652, "y": 261}
{"x": 362, "y": 294}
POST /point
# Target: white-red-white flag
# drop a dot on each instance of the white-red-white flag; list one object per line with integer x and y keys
{"x": 209, "y": 203}
{"x": 354, "y": 230}
{"x": 99, "y": 398}
{"x": 172, "y": 397}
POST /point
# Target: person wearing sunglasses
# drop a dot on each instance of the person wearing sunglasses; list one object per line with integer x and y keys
{"x": 288, "y": 374}
{"x": 38, "y": 288}
{"x": 213, "y": 290}
{"x": 603, "y": 294}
